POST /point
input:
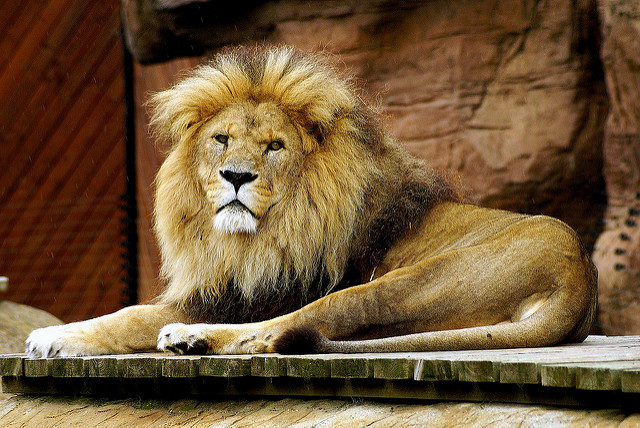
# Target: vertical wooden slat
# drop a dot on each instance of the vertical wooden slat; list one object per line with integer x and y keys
{"x": 84, "y": 181}
{"x": 63, "y": 155}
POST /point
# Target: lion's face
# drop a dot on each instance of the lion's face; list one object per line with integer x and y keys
{"x": 247, "y": 157}
{"x": 269, "y": 183}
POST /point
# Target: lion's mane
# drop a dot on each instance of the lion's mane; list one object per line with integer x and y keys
{"x": 358, "y": 192}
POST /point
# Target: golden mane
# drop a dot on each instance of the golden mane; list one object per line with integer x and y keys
{"x": 348, "y": 194}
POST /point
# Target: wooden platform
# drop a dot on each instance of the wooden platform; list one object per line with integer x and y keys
{"x": 601, "y": 372}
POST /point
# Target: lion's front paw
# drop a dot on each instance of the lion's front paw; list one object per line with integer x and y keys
{"x": 183, "y": 339}
{"x": 198, "y": 339}
{"x": 61, "y": 341}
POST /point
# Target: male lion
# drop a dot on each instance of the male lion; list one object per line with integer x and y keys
{"x": 290, "y": 221}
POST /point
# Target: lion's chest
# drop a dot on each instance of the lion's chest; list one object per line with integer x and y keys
{"x": 231, "y": 307}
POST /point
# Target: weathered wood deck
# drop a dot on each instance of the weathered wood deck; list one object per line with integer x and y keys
{"x": 601, "y": 372}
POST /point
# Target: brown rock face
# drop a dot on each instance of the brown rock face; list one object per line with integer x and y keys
{"x": 617, "y": 252}
{"x": 17, "y": 321}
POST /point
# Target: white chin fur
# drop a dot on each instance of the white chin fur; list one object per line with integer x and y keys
{"x": 235, "y": 220}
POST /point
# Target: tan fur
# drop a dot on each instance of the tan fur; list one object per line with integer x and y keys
{"x": 340, "y": 200}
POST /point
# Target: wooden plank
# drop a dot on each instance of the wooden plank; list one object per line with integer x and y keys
{"x": 348, "y": 367}
{"x": 225, "y": 365}
{"x": 630, "y": 380}
{"x": 36, "y": 367}
{"x": 515, "y": 365}
{"x": 31, "y": 44}
{"x": 88, "y": 188}
{"x": 608, "y": 340}
{"x": 11, "y": 365}
{"x": 73, "y": 54}
{"x": 139, "y": 366}
{"x": 42, "y": 60}
{"x": 434, "y": 370}
{"x": 209, "y": 387}
{"x": 527, "y": 368}
{"x": 268, "y": 365}
{"x": 16, "y": 24}
{"x": 47, "y": 110}
{"x": 111, "y": 182}
{"x": 66, "y": 144}
{"x": 180, "y": 366}
{"x": 602, "y": 376}
{"x": 393, "y": 368}
{"x": 590, "y": 367}
{"x": 101, "y": 366}
{"x": 476, "y": 371}
{"x": 523, "y": 372}
{"x": 308, "y": 366}
{"x": 596, "y": 375}
{"x": 92, "y": 252}
{"x": 66, "y": 367}
{"x": 463, "y": 375}
{"x": 58, "y": 98}
{"x": 104, "y": 285}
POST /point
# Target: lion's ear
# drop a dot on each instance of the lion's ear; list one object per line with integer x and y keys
{"x": 316, "y": 132}
{"x": 311, "y": 134}
{"x": 320, "y": 131}
{"x": 319, "y": 124}
{"x": 172, "y": 114}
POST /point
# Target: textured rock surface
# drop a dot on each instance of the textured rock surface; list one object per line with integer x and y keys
{"x": 32, "y": 411}
{"x": 617, "y": 252}
{"x": 17, "y": 321}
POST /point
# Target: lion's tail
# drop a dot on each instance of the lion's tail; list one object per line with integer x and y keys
{"x": 548, "y": 326}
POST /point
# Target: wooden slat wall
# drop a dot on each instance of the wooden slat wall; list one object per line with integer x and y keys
{"x": 62, "y": 155}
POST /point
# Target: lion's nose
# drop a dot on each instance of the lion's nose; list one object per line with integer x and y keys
{"x": 238, "y": 178}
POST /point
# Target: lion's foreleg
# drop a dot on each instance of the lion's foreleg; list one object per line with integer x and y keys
{"x": 131, "y": 329}
{"x": 382, "y": 302}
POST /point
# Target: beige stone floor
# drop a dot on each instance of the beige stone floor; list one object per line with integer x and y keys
{"x": 47, "y": 411}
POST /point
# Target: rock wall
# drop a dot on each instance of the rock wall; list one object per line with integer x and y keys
{"x": 17, "y": 321}
{"x": 617, "y": 252}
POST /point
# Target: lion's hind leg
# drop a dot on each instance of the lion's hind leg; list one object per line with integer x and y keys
{"x": 547, "y": 325}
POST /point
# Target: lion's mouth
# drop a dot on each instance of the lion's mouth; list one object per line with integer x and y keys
{"x": 237, "y": 205}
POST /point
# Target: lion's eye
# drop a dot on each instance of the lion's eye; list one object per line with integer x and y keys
{"x": 275, "y": 145}
{"x": 221, "y": 138}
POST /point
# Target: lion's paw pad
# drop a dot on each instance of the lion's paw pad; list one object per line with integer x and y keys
{"x": 182, "y": 339}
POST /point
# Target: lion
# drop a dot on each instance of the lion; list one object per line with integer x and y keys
{"x": 290, "y": 221}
